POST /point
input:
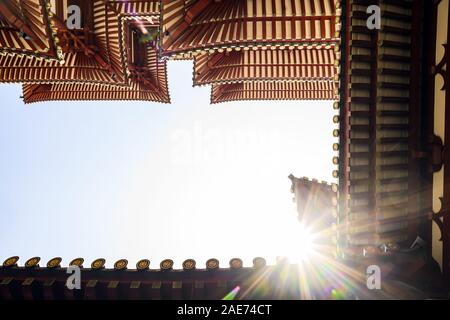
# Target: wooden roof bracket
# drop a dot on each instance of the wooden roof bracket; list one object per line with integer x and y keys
{"x": 192, "y": 12}
{"x": 88, "y": 51}
{"x": 434, "y": 153}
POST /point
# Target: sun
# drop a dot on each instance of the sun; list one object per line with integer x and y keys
{"x": 305, "y": 240}
{"x": 299, "y": 242}
{"x": 302, "y": 246}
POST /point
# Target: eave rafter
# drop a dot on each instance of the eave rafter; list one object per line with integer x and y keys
{"x": 147, "y": 83}
{"x": 26, "y": 29}
{"x": 145, "y": 76}
{"x": 274, "y": 90}
{"x": 243, "y": 23}
{"x": 250, "y": 65}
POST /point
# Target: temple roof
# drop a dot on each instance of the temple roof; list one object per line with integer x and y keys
{"x": 234, "y": 282}
{"x": 303, "y": 36}
{"x": 141, "y": 265}
{"x": 102, "y": 67}
{"x": 88, "y": 91}
{"x": 26, "y": 29}
{"x": 189, "y": 26}
{"x": 148, "y": 83}
{"x": 77, "y": 67}
{"x": 246, "y": 65}
{"x": 99, "y": 62}
{"x": 274, "y": 90}
{"x": 31, "y": 281}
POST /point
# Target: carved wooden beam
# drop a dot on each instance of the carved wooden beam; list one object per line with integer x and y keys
{"x": 86, "y": 49}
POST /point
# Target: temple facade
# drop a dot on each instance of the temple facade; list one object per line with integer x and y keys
{"x": 381, "y": 199}
{"x": 393, "y": 182}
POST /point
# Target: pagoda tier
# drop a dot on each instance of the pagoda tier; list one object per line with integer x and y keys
{"x": 148, "y": 81}
{"x": 189, "y": 26}
{"x": 26, "y": 29}
{"x": 236, "y": 66}
{"x": 88, "y": 91}
{"x": 93, "y": 54}
{"x": 274, "y": 90}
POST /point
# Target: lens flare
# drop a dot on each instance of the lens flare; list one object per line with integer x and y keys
{"x": 299, "y": 245}
{"x": 232, "y": 294}
{"x": 306, "y": 243}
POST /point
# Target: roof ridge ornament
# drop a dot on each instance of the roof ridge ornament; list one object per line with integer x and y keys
{"x": 98, "y": 264}
{"x": 78, "y": 262}
{"x": 166, "y": 265}
{"x": 121, "y": 264}
{"x": 212, "y": 264}
{"x": 259, "y": 262}
{"x": 11, "y": 261}
{"x": 143, "y": 264}
{"x": 33, "y": 262}
{"x": 236, "y": 263}
{"x": 189, "y": 265}
{"x": 54, "y": 263}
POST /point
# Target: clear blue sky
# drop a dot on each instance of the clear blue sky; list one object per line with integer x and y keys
{"x": 144, "y": 180}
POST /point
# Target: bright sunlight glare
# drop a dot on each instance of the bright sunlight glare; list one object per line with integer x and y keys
{"x": 300, "y": 242}
{"x": 143, "y": 180}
